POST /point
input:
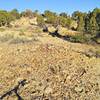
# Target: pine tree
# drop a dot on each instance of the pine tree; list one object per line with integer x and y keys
{"x": 81, "y": 24}
{"x": 93, "y": 26}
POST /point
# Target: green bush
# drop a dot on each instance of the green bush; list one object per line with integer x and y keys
{"x": 40, "y": 21}
{"x": 5, "y": 18}
{"x": 80, "y": 38}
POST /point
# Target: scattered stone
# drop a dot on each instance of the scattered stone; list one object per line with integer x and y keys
{"x": 79, "y": 89}
{"x": 48, "y": 90}
{"x": 53, "y": 68}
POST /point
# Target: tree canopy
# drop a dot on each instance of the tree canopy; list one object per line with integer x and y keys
{"x": 86, "y": 22}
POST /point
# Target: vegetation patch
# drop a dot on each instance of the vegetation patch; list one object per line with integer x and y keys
{"x": 6, "y": 37}
{"x": 2, "y": 29}
{"x": 20, "y": 39}
{"x": 78, "y": 38}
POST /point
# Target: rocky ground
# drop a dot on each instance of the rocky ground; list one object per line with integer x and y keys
{"x": 54, "y": 69}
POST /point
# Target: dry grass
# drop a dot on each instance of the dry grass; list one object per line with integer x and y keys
{"x": 6, "y": 37}
{"x": 2, "y": 29}
{"x": 22, "y": 35}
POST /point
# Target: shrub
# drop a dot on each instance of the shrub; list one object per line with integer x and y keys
{"x": 6, "y": 37}
{"x": 40, "y": 21}
{"x": 80, "y": 38}
{"x": 97, "y": 38}
{"x": 20, "y": 39}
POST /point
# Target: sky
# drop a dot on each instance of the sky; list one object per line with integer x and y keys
{"x": 68, "y": 6}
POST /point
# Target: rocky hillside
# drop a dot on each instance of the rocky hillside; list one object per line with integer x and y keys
{"x": 52, "y": 69}
{"x": 25, "y": 21}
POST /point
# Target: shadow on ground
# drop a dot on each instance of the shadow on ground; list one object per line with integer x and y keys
{"x": 56, "y": 34}
{"x": 14, "y": 90}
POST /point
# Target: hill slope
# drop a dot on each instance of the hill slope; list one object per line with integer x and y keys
{"x": 54, "y": 69}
